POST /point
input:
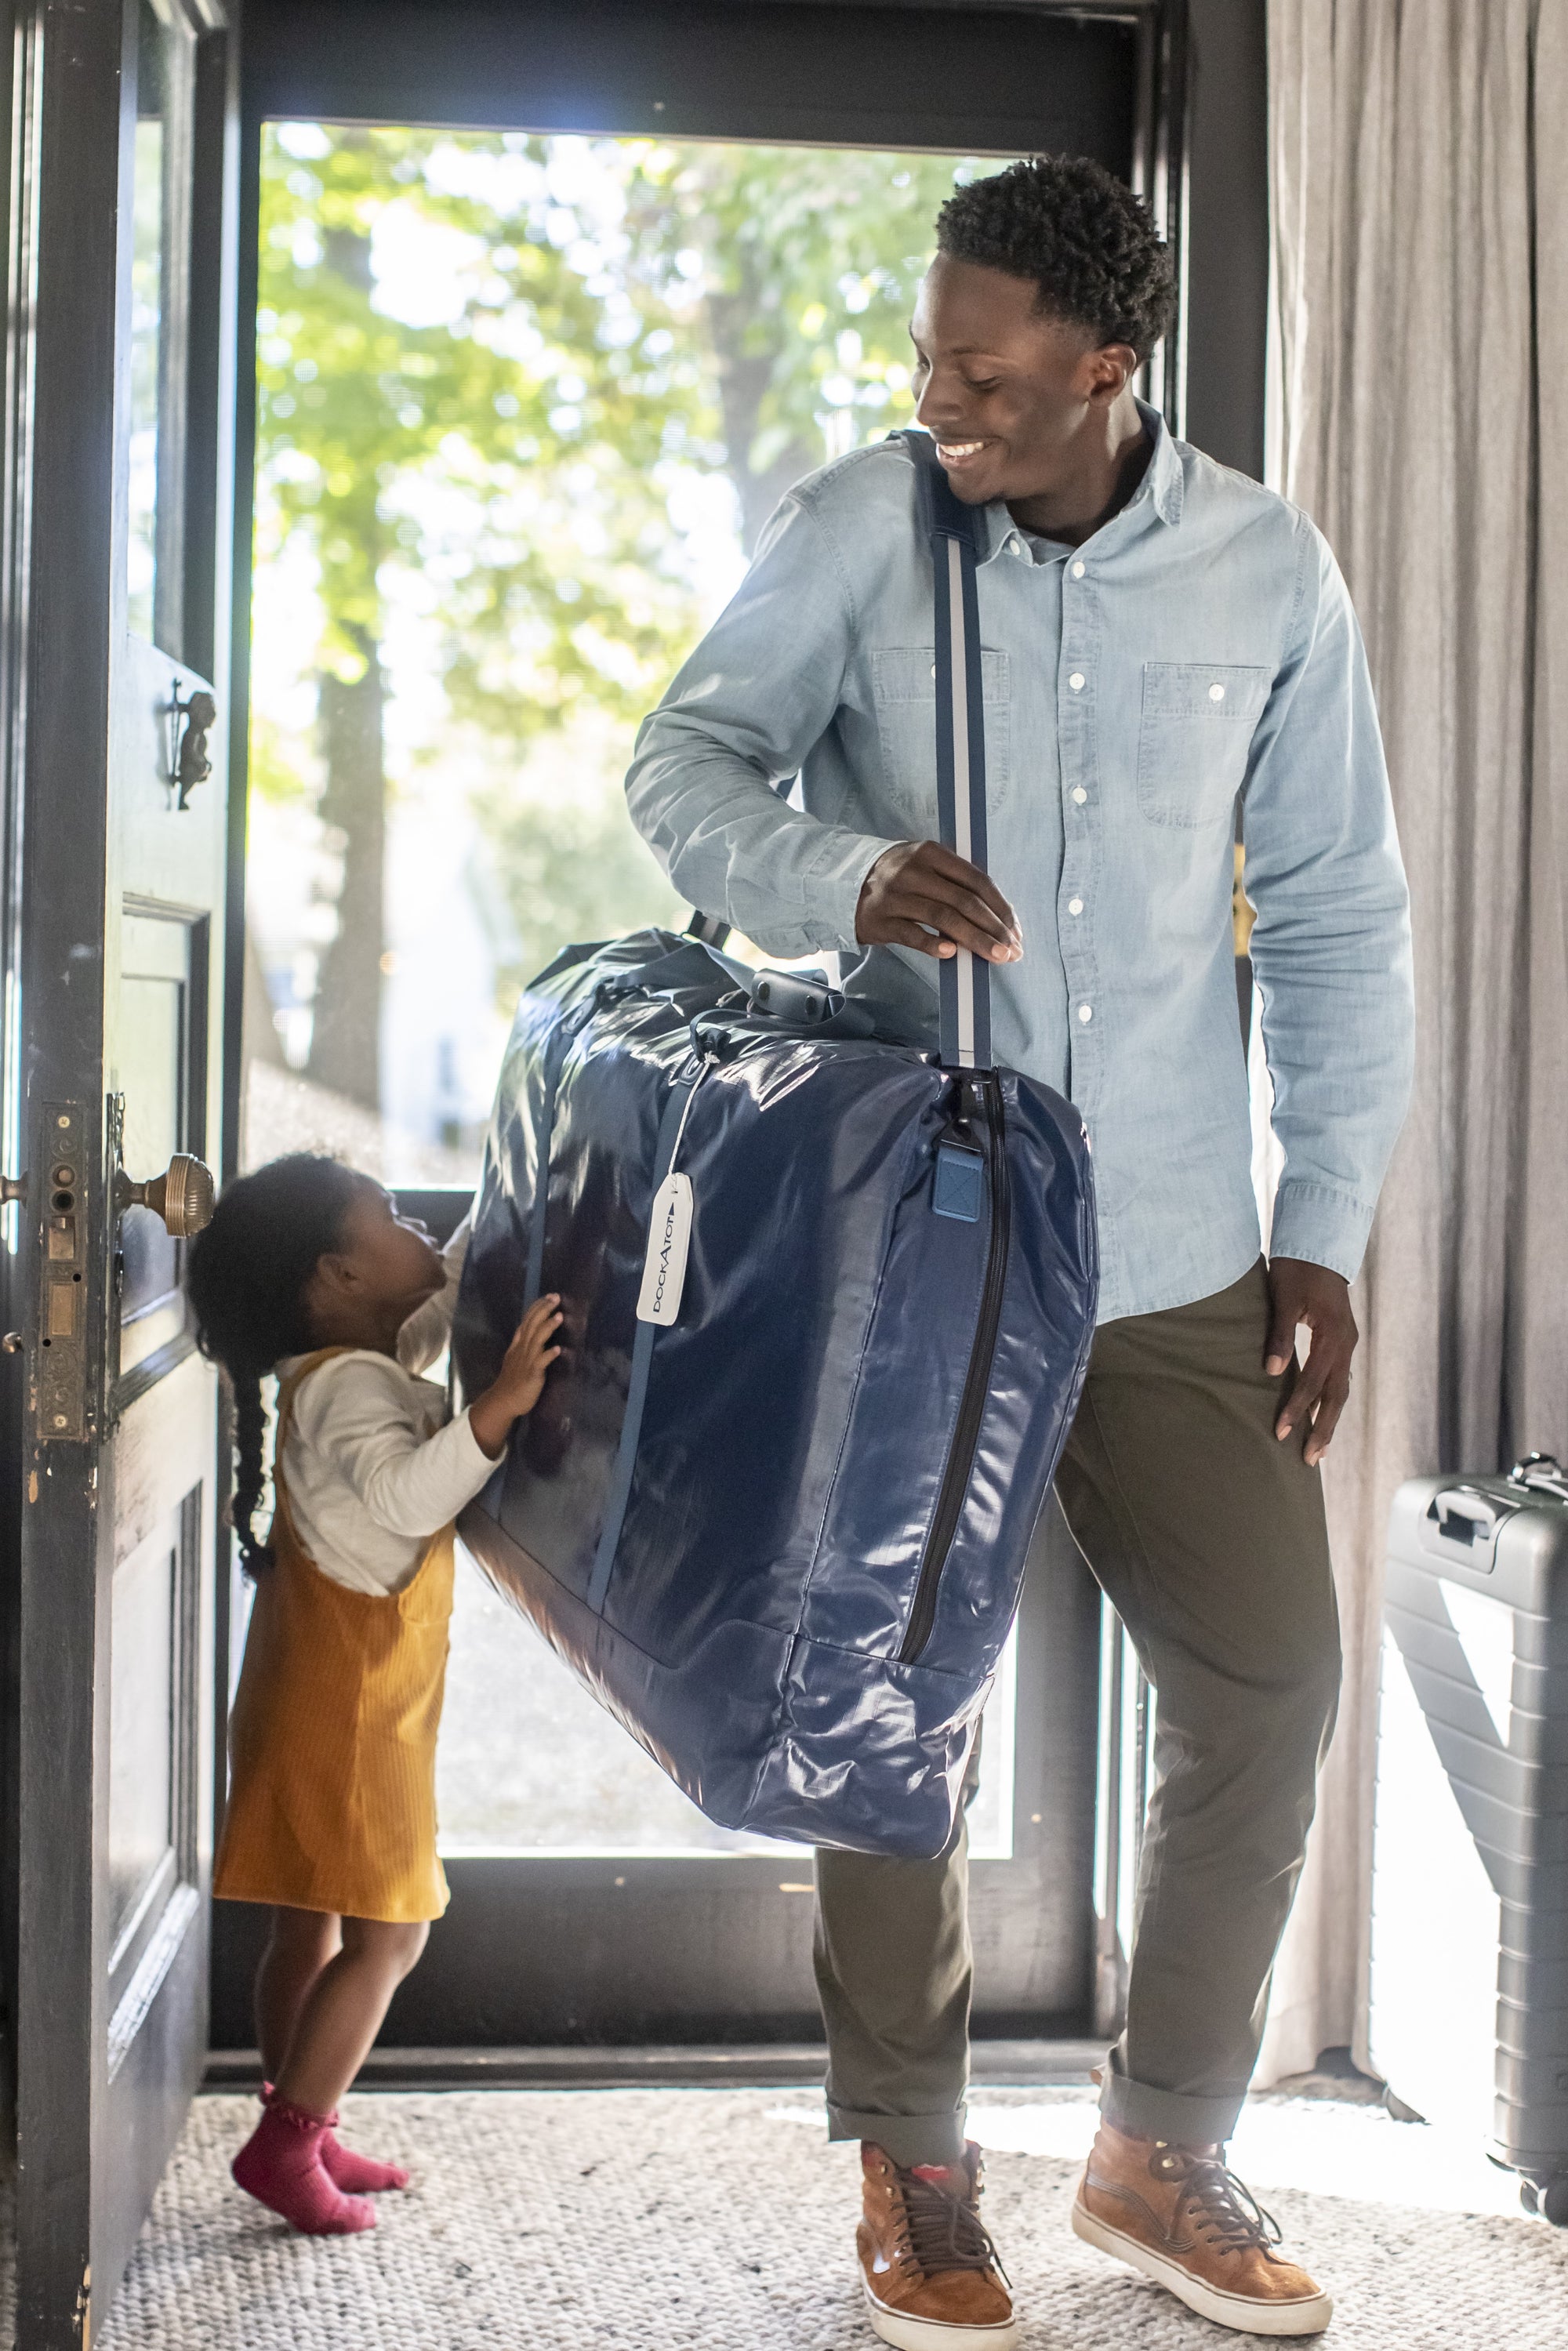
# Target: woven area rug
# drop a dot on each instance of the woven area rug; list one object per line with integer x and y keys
{"x": 721, "y": 2220}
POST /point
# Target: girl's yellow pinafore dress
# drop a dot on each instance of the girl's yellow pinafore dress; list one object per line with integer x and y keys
{"x": 332, "y": 1739}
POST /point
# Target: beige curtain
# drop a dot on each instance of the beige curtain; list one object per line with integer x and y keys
{"x": 1421, "y": 269}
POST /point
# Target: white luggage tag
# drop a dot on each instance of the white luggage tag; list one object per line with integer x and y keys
{"x": 670, "y": 1230}
{"x": 669, "y": 1238}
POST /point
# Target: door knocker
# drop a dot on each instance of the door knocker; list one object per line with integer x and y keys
{"x": 192, "y": 721}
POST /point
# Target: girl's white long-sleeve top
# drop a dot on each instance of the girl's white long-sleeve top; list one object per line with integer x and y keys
{"x": 371, "y": 1470}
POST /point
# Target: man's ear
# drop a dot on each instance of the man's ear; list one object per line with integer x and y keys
{"x": 1106, "y": 373}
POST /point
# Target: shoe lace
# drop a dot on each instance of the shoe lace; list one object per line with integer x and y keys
{"x": 944, "y": 2231}
{"x": 1223, "y": 2208}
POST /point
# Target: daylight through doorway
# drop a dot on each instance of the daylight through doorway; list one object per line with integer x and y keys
{"x": 523, "y": 405}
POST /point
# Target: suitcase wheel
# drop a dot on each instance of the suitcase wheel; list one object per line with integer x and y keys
{"x": 1549, "y": 2198}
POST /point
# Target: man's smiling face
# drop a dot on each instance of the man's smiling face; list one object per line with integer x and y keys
{"x": 1008, "y": 392}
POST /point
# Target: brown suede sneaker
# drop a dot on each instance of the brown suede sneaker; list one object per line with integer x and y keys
{"x": 1178, "y": 2215}
{"x": 931, "y": 2278}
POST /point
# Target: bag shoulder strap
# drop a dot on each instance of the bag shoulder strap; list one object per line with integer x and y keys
{"x": 952, "y": 530}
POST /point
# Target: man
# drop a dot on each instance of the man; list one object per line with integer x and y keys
{"x": 1161, "y": 636}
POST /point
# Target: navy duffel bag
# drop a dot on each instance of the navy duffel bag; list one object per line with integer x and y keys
{"x": 828, "y": 1306}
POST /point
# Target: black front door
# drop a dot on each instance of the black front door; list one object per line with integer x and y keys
{"x": 117, "y": 826}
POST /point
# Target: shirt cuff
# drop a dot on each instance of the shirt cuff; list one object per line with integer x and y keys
{"x": 1322, "y": 1225}
{"x": 834, "y": 886}
{"x": 472, "y": 1456}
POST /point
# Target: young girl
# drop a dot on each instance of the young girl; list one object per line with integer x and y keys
{"x": 308, "y": 1271}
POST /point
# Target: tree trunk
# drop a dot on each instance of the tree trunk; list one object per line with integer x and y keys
{"x": 345, "y": 1039}
{"x": 744, "y": 376}
{"x": 345, "y": 1036}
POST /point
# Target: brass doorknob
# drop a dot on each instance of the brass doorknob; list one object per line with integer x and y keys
{"x": 183, "y": 1195}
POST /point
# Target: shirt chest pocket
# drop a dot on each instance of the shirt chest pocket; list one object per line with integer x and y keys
{"x": 904, "y": 683}
{"x": 1196, "y": 728}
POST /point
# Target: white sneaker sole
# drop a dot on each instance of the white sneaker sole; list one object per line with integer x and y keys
{"x": 1307, "y": 2316}
{"x": 934, "y": 2333}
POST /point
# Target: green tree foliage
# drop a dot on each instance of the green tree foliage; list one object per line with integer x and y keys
{"x": 536, "y": 402}
{"x": 504, "y": 454}
{"x": 795, "y": 271}
{"x": 677, "y": 310}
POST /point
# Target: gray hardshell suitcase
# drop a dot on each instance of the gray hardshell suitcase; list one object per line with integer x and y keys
{"x": 1470, "y": 1869}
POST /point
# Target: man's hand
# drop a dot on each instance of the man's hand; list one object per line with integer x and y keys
{"x": 1303, "y": 1293}
{"x": 919, "y": 895}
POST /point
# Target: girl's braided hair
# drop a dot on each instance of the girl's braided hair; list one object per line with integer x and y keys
{"x": 246, "y": 1284}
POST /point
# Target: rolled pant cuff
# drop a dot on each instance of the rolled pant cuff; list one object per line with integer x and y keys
{"x": 905, "y": 2139}
{"x": 1145, "y": 2113}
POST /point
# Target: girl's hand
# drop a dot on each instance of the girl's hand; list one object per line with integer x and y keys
{"x": 521, "y": 1381}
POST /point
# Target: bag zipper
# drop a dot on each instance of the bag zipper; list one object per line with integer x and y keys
{"x": 977, "y": 1382}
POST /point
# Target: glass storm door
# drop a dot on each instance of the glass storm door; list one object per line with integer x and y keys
{"x": 117, "y": 828}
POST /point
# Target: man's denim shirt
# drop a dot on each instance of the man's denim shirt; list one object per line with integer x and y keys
{"x": 1201, "y": 645}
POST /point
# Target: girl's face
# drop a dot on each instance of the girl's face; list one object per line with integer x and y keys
{"x": 385, "y": 1265}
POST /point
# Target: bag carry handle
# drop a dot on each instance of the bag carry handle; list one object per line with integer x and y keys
{"x": 951, "y": 528}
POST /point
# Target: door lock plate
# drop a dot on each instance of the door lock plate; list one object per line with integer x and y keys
{"x": 60, "y": 1361}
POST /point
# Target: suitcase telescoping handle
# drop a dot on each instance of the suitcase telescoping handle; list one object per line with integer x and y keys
{"x": 950, "y": 526}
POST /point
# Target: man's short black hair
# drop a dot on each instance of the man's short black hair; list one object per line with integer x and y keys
{"x": 1085, "y": 239}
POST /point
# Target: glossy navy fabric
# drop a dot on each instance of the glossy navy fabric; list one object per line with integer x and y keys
{"x": 799, "y": 1417}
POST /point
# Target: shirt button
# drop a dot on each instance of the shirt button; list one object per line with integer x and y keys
{"x": 1076, "y": 680}
{"x": 1078, "y": 571}
{"x": 1086, "y": 1012}
{"x": 1075, "y": 906}
{"x": 1217, "y": 694}
{"x": 1079, "y": 794}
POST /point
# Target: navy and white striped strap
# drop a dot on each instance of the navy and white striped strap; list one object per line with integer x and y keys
{"x": 950, "y": 526}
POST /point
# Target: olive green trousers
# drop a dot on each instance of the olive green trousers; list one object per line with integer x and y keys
{"x": 1208, "y": 1534}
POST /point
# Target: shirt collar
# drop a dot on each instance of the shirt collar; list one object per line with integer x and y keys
{"x": 1163, "y": 489}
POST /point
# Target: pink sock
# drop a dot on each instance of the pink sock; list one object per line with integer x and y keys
{"x": 280, "y": 2164}
{"x": 355, "y": 2175}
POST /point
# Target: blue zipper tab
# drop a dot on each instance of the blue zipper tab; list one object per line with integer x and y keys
{"x": 959, "y": 1188}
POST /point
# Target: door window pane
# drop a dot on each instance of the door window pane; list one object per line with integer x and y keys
{"x": 146, "y": 318}
{"x": 164, "y": 63}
